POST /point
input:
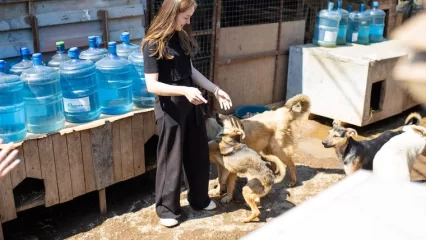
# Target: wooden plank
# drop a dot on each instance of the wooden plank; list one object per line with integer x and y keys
{"x": 75, "y": 157}
{"x": 19, "y": 174}
{"x": 7, "y": 202}
{"x": 138, "y": 141}
{"x": 149, "y": 126}
{"x": 62, "y": 164}
{"x": 17, "y": 23}
{"x": 48, "y": 171}
{"x": 87, "y": 15}
{"x": 116, "y": 152}
{"x": 32, "y": 159}
{"x": 102, "y": 201}
{"x": 280, "y": 88}
{"x": 34, "y": 204}
{"x": 245, "y": 40}
{"x": 39, "y": 7}
{"x": 249, "y": 82}
{"x": 292, "y": 33}
{"x": 126, "y": 148}
{"x": 89, "y": 173}
{"x": 102, "y": 155}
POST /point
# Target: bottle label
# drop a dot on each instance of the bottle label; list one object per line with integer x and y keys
{"x": 330, "y": 36}
{"x": 77, "y": 105}
{"x": 355, "y": 37}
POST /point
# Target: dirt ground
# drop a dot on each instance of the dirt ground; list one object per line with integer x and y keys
{"x": 131, "y": 212}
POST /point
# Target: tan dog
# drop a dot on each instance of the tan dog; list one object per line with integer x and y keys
{"x": 244, "y": 162}
{"x": 269, "y": 133}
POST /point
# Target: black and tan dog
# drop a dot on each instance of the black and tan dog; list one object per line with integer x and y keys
{"x": 355, "y": 154}
{"x": 242, "y": 161}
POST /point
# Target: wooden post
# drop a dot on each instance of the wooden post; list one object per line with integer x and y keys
{"x": 102, "y": 201}
{"x": 1, "y": 230}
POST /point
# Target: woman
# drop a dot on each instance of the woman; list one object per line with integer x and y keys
{"x": 170, "y": 75}
{"x": 7, "y": 159}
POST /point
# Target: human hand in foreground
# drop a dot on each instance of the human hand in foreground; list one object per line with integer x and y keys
{"x": 8, "y": 159}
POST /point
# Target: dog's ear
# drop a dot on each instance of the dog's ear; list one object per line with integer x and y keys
{"x": 337, "y": 123}
{"x": 297, "y": 107}
{"x": 241, "y": 133}
{"x": 419, "y": 130}
{"x": 350, "y": 132}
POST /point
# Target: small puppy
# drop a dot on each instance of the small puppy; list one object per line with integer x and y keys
{"x": 352, "y": 153}
{"x": 244, "y": 162}
{"x": 396, "y": 158}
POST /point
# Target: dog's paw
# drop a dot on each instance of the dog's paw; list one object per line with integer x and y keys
{"x": 292, "y": 184}
{"x": 226, "y": 199}
{"x": 214, "y": 191}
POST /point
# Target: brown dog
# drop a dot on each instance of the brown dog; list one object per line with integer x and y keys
{"x": 269, "y": 133}
{"x": 244, "y": 162}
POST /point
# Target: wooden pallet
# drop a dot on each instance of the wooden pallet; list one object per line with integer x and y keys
{"x": 80, "y": 159}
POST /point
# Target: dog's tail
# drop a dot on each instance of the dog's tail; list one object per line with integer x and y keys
{"x": 280, "y": 165}
{"x": 298, "y": 105}
{"x": 413, "y": 119}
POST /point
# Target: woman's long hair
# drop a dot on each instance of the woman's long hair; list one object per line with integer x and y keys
{"x": 163, "y": 25}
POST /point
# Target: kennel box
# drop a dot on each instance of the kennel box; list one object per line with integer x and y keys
{"x": 351, "y": 83}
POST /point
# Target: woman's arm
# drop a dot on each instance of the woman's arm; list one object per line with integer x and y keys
{"x": 202, "y": 81}
{"x": 161, "y": 89}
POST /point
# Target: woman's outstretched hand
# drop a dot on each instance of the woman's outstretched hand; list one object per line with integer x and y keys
{"x": 224, "y": 99}
{"x": 8, "y": 159}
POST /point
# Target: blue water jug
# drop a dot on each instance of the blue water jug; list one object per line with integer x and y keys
{"x": 60, "y": 56}
{"x": 126, "y": 47}
{"x": 363, "y": 26}
{"x": 79, "y": 89}
{"x": 12, "y": 111}
{"x": 25, "y": 63}
{"x": 141, "y": 97}
{"x": 327, "y": 27}
{"x": 94, "y": 53}
{"x": 343, "y": 24}
{"x": 377, "y": 24}
{"x": 353, "y": 26}
{"x": 114, "y": 76}
{"x": 43, "y": 98}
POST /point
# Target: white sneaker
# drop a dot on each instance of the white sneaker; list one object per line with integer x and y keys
{"x": 168, "y": 222}
{"x": 211, "y": 206}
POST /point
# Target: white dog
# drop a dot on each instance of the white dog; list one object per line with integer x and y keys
{"x": 396, "y": 158}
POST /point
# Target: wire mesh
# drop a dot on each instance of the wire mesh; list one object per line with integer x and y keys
{"x": 253, "y": 12}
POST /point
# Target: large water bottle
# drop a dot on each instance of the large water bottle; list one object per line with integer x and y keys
{"x": 114, "y": 76}
{"x": 141, "y": 97}
{"x": 126, "y": 47}
{"x": 12, "y": 111}
{"x": 363, "y": 26}
{"x": 25, "y": 63}
{"x": 377, "y": 24}
{"x": 43, "y": 98}
{"x": 353, "y": 26}
{"x": 343, "y": 24}
{"x": 79, "y": 88}
{"x": 327, "y": 27}
{"x": 94, "y": 53}
{"x": 60, "y": 56}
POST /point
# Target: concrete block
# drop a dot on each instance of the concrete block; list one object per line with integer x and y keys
{"x": 350, "y": 83}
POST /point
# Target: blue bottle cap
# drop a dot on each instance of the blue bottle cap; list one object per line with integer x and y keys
{"x": 24, "y": 51}
{"x": 375, "y": 4}
{"x": 96, "y": 40}
{"x": 125, "y": 37}
{"x": 330, "y": 5}
{"x": 2, "y": 63}
{"x": 112, "y": 44}
{"x": 350, "y": 8}
{"x": 361, "y": 7}
{"x": 37, "y": 58}
{"x": 73, "y": 53}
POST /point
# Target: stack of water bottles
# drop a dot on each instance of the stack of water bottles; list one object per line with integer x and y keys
{"x": 339, "y": 26}
{"x": 72, "y": 87}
